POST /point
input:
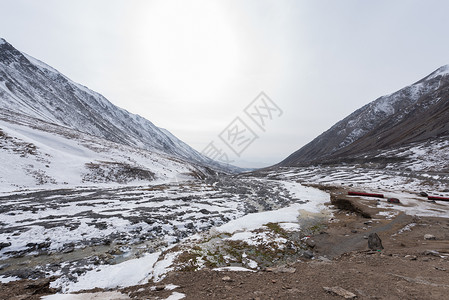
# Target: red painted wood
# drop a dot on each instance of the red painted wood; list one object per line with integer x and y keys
{"x": 365, "y": 194}
{"x": 438, "y": 198}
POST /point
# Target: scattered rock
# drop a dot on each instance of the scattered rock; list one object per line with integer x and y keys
{"x": 115, "y": 251}
{"x": 440, "y": 269}
{"x": 281, "y": 270}
{"x": 4, "y": 245}
{"x": 336, "y": 290}
{"x": 41, "y": 286}
{"x": 411, "y": 257}
{"x": 324, "y": 259}
{"x": 431, "y": 252}
{"x": 374, "y": 242}
{"x": 308, "y": 254}
{"x": 423, "y": 194}
{"x": 429, "y": 237}
{"x": 159, "y": 287}
{"x": 393, "y": 200}
{"x": 226, "y": 279}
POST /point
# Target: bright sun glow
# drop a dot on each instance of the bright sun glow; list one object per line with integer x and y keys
{"x": 192, "y": 52}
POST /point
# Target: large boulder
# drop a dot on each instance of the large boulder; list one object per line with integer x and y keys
{"x": 374, "y": 242}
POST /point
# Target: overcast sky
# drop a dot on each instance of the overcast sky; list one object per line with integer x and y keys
{"x": 193, "y": 66}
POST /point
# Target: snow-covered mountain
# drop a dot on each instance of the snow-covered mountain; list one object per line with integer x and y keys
{"x": 38, "y": 154}
{"x": 32, "y": 88}
{"x": 416, "y": 113}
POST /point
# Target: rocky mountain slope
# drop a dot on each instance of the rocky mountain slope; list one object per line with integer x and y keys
{"x": 39, "y": 154}
{"x": 416, "y": 113}
{"x": 32, "y": 88}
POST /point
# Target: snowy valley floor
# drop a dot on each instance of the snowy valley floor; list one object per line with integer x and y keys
{"x": 179, "y": 240}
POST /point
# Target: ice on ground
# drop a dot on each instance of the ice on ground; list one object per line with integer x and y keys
{"x": 315, "y": 198}
{"x": 252, "y": 264}
{"x": 88, "y": 296}
{"x": 312, "y": 199}
{"x": 176, "y": 296}
{"x": 256, "y": 220}
{"x": 128, "y": 273}
{"x": 4, "y": 279}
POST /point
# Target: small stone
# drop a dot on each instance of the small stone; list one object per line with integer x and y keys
{"x": 115, "y": 251}
{"x": 423, "y": 194}
{"x": 440, "y": 268}
{"x": 374, "y": 242}
{"x": 429, "y": 237}
{"x": 159, "y": 287}
{"x": 431, "y": 252}
{"x": 336, "y": 290}
{"x": 411, "y": 257}
{"x": 311, "y": 243}
{"x": 226, "y": 279}
{"x": 308, "y": 254}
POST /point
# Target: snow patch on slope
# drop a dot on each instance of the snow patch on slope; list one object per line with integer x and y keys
{"x": 31, "y": 87}
{"x": 34, "y": 158}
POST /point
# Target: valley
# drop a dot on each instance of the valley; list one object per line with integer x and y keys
{"x": 100, "y": 203}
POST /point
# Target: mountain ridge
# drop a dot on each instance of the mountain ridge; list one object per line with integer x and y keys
{"x": 31, "y": 87}
{"x": 384, "y": 122}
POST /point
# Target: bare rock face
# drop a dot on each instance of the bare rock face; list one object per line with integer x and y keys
{"x": 374, "y": 242}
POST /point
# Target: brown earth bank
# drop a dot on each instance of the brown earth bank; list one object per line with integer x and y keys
{"x": 414, "y": 264}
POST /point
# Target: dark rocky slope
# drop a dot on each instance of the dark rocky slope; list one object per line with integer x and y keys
{"x": 415, "y": 113}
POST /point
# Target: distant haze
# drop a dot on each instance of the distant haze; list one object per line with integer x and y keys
{"x": 193, "y": 66}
